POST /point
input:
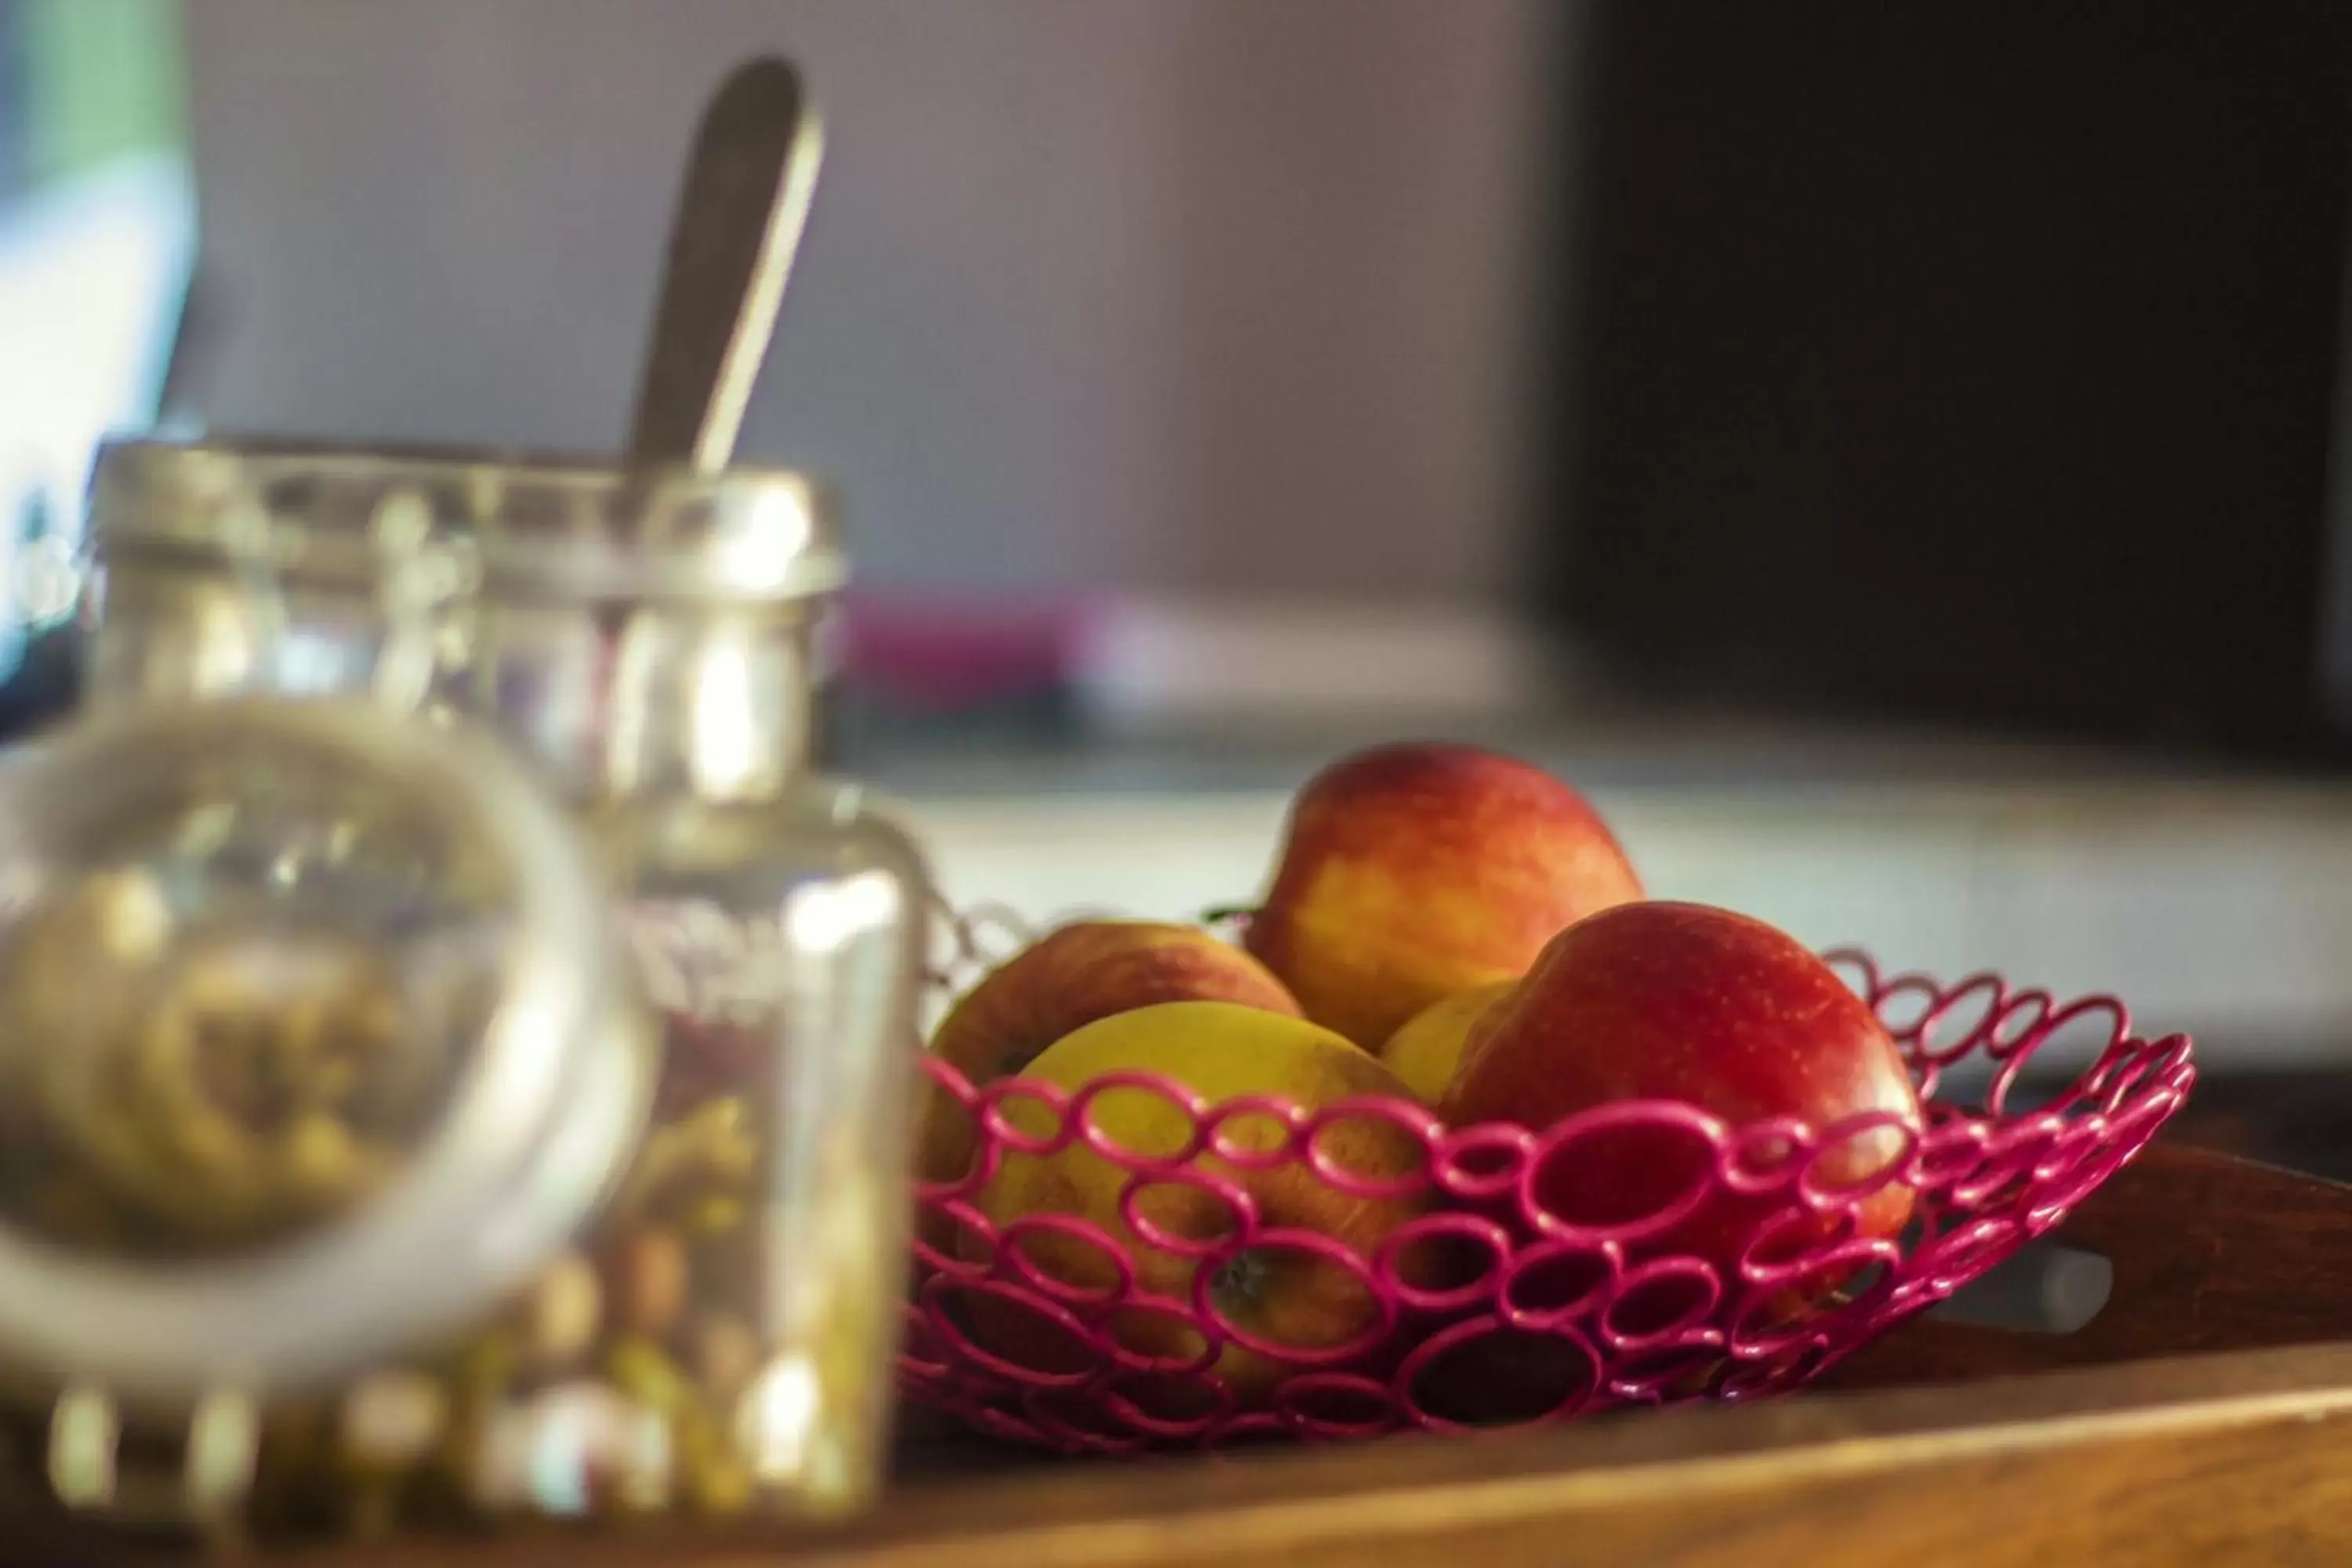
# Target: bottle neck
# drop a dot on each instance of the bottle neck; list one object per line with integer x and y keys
{"x": 714, "y": 703}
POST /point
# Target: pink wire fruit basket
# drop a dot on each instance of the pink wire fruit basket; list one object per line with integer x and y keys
{"x": 1488, "y": 1307}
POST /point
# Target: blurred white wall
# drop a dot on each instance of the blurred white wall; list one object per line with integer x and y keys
{"x": 1172, "y": 296}
{"x": 2220, "y": 907}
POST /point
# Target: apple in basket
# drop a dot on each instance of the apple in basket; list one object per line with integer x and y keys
{"x": 1065, "y": 979}
{"x": 1288, "y": 1296}
{"x": 1411, "y": 872}
{"x": 1691, "y": 1004}
{"x": 1425, "y": 1053}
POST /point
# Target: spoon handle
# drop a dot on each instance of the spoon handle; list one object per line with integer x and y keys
{"x": 741, "y": 208}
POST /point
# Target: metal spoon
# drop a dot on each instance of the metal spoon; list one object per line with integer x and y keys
{"x": 741, "y": 208}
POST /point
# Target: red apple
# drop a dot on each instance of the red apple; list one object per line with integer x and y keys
{"x": 1066, "y": 979}
{"x": 1413, "y": 872}
{"x": 1687, "y": 1003}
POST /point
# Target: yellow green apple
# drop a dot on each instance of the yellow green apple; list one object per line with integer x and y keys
{"x": 1425, "y": 1052}
{"x": 1220, "y": 1051}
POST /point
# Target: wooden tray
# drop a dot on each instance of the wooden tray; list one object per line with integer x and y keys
{"x": 2203, "y": 1417}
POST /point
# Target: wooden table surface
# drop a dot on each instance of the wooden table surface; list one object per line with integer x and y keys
{"x": 2204, "y": 1416}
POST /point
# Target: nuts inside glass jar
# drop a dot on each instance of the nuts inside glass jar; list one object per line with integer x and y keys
{"x": 183, "y": 1087}
{"x": 609, "y": 1385}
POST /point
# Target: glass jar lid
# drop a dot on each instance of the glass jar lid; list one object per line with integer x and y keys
{"x": 312, "y": 1045}
{"x": 518, "y": 526}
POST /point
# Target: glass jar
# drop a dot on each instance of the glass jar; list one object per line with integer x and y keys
{"x": 660, "y": 670}
{"x": 645, "y": 640}
{"x": 312, "y": 1055}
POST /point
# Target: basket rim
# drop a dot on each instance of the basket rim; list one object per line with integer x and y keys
{"x": 2091, "y": 1102}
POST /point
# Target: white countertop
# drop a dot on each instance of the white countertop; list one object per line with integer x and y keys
{"x": 2220, "y": 907}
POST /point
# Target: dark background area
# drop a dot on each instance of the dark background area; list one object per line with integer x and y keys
{"x": 1967, "y": 367}
{"x": 1961, "y": 363}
